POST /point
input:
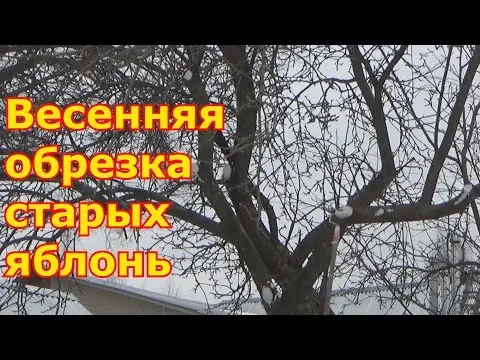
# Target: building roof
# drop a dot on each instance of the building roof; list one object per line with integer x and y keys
{"x": 372, "y": 300}
{"x": 189, "y": 306}
{"x": 20, "y": 299}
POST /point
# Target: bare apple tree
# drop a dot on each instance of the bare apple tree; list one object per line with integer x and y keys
{"x": 377, "y": 143}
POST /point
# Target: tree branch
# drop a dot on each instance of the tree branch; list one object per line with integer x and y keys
{"x": 396, "y": 58}
{"x": 256, "y": 250}
{"x": 380, "y": 182}
{"x": 375, "y": 106}
{"x": 453, "y": 121}
{"x": 236, "y": 57}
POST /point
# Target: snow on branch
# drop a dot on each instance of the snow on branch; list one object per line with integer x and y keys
{"x": 411, "y": 212}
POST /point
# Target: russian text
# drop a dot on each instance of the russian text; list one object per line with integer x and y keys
{"x": 45, "y": 262}
{"x": 87, "y": 215}
{"x": 48, "y": 164}
{"x": 21, "y": 115}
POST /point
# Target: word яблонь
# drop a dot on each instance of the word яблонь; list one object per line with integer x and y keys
{"x": 45, "y": 262}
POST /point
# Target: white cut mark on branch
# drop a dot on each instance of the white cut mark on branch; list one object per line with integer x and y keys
{"x": 465, "y": 193}
{"x": 195, "y": 170}
{"x": 188, "y": 75}
{"x": 344, "y": 212}
{"x": 336, "y": 234}
{"x": 333, "y": 258}
{"x": 389, "y": 210}
{"x": 380, "y": 212}
{"x": 226, "y": 172}
{"x": 267, "y": 295}
{"x": 270, "y": 293}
